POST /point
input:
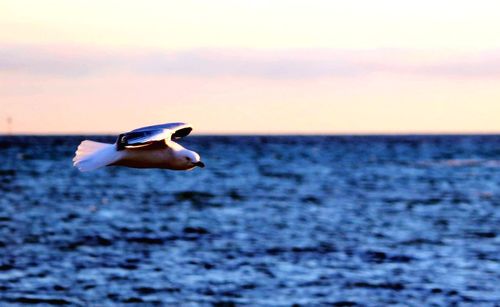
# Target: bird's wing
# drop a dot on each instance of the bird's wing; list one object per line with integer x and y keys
{"x": 153, "y": 134}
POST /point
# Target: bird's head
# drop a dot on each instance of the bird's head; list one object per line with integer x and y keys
{"x": 191, "y": 159}
{"x": 185, "y": 159}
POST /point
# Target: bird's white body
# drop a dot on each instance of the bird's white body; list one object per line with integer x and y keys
{"x": 163, "y": 153}
{"x": 171, "y": 157}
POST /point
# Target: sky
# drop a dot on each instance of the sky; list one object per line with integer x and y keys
{"x": 250, "y": 67}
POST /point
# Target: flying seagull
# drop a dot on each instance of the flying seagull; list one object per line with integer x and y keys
{"x": 147, "y": 147}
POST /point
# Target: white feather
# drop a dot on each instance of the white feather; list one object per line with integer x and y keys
{"x": 92, "y": 155}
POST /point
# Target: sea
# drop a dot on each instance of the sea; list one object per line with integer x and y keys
{"x": 399, "y": 220}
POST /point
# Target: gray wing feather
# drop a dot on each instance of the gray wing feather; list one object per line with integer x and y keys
{"x": 150, "y": 134}
{"x": 169, "y": 126}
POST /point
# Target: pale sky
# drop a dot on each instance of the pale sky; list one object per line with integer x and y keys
{"x": 251, "y": 66}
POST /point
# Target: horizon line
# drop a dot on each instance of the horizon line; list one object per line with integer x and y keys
{"x": 291, "y": 133}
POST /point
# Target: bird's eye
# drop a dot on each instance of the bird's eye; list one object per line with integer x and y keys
{"x": 188, "y": 159}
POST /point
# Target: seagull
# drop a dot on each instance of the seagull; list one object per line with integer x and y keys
{"x": 146, "y": 147}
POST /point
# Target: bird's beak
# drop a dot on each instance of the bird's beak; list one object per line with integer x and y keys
{"x": 200, "y": 164}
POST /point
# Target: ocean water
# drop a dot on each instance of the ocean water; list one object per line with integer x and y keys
{"x": 271, "y": 221}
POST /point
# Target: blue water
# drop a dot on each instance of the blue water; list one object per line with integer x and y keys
{"x": 272, "y": 221}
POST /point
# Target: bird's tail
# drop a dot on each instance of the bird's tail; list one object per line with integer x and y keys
{"x": 92, "y": 155}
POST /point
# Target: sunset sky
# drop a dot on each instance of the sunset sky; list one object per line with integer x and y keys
{"x": 251, "y": 66}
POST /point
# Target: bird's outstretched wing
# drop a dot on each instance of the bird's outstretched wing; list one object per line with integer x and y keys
{"x": 149, "y": 135}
